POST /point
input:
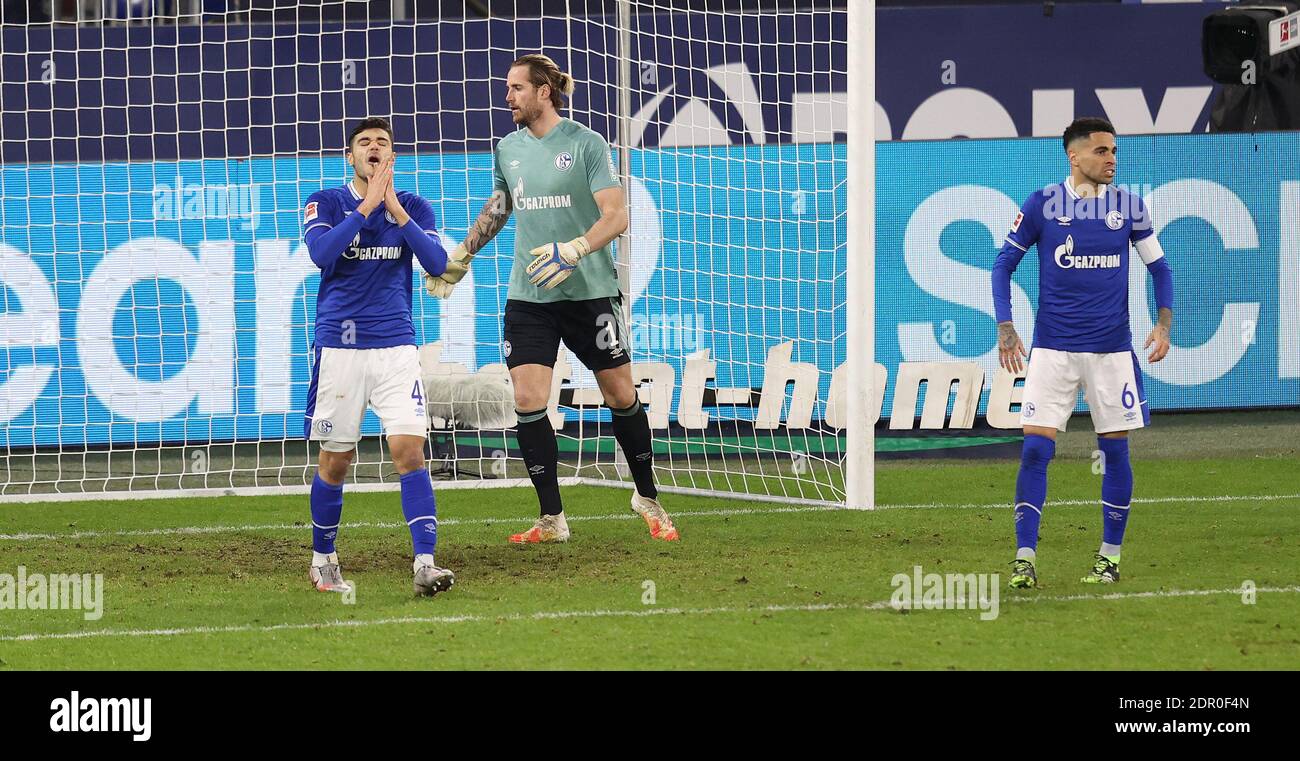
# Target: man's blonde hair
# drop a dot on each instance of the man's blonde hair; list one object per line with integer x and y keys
{"x": 543, "y": 71}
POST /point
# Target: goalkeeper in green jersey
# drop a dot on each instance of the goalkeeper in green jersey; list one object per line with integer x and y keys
{"x": 558, "y": 177}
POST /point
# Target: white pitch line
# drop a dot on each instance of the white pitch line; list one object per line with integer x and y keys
{"x": 1078, "y": 502}
{"x": 180, "y": 531}
{"x": 196, "y": 530}
{"x": 186, "y": 530}
{"x": 1157, "y": 593}
{"x": 202, "y": 530}
{"x": 581, "y": 614}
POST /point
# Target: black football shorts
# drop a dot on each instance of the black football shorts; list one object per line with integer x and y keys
{"x": 592, "y": 330}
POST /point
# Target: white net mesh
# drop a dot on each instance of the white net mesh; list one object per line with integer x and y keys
{"x": 158, "y": 301}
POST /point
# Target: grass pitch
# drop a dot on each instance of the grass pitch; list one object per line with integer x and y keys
{"x": 222, "y": 583}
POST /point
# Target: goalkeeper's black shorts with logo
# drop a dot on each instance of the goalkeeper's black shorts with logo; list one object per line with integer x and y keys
{"x": 593, "y": 330}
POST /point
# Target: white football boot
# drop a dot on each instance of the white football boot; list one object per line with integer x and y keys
{"x": 429, "y": 578}
{"x": 328, "y": 577}
{"x": 661, "y": 526}
{"x": 548, "y": 528}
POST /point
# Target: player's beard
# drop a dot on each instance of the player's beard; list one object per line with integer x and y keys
{"x": 527, "y": 116}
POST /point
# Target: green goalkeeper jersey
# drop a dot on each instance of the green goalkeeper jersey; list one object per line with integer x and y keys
{"x": 552, "y": 183}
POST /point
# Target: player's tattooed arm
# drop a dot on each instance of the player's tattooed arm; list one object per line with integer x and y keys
{"x": 1158, "y": 341}
{"x": 490, "y": 221}
{"x": 1010, "y": 348}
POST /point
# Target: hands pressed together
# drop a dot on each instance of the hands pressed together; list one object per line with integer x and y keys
{"x": 380, "y": 190}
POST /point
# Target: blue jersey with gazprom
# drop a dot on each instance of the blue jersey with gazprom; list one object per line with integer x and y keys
{"x": 364, "y": 300}
{"x": 1083, "y": 261}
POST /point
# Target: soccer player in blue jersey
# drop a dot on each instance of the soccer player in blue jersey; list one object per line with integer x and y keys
{"x": 1083, "y": 228}
{"x": 362, "y": 236}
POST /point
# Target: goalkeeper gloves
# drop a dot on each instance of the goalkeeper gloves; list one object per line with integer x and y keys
{"x": 457, "y": 266}
{"x": 554, "y": 262}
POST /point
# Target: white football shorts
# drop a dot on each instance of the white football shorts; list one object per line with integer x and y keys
{"x": 1111, "y": 383}
{"x": 344, "y": 381}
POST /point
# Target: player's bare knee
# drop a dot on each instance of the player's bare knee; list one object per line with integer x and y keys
{"x": 407, "y": 453}
{"x": 530, "y": 400}
{"x": 620, "y": 398}
{"x": 334, "y": 466}
{"x": 617, "y": 388}
{"x": 408, "y": 461}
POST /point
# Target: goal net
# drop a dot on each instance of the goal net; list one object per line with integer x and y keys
{"x": 157, "y": 301}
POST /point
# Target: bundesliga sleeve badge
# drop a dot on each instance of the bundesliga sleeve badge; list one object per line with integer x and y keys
{"x": 1015, "y": 225}
{"x": 311, "y": 212}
